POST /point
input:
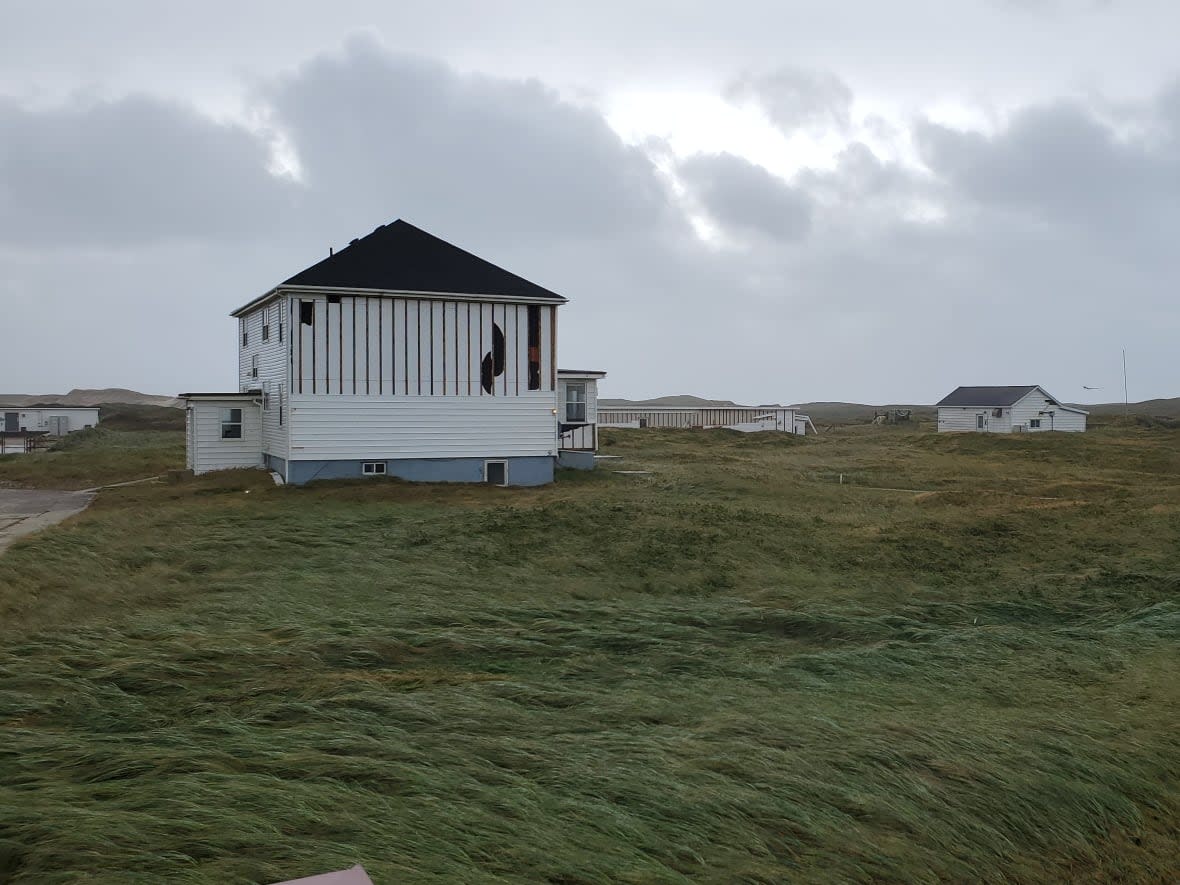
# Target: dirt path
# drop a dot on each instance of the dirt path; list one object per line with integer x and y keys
{"x": 24, "y": 511}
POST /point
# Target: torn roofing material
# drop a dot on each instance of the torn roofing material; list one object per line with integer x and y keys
{"x": 399, "y": 257}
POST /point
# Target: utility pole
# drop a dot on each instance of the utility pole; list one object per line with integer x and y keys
{"x": 1126, "y": 398}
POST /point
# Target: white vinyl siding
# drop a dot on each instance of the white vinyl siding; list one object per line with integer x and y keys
{"x": 207, "y": 450}
{"x": 967, "y": 418}
{"x": 379, "y": 428}
{"x": 1035, "y": 404}
{"x": 272, "y": 357}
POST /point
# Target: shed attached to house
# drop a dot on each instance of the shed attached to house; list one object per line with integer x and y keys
{"x": 577, "y": 410}
{"x": 223, "y": 431}
{"x": 1026, "y": 408}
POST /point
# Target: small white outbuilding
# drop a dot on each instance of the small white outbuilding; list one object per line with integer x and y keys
{"x": 1024, "y": 408}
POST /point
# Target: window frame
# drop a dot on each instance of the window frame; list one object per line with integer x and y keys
{"x": 245, "y": 330}
{"x": 503, "y": 462}
{"x": 582, "y": 387}
{"x": 1034, "y": 423}
{"x": 228, "y": 422}
{"x": 266, "y": 323}
{"x": 374, "y": 468}
{"x": 254, "y": 366}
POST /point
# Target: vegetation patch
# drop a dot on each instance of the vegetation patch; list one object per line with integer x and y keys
{"x": 735, "y": 670}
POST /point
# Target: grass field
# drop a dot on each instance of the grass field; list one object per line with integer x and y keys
{"x": 877, "y": 655}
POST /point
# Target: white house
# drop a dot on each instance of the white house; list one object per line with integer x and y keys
{"x": 400, "y": 355}
{"x": 577, "y": 405}
{"x": 727, "y": 416}
{"x": 1024, "y": 408}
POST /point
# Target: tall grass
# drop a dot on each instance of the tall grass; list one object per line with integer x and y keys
{"x": 735, "y": 669}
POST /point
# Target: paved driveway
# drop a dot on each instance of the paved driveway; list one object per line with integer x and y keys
{"x": 24, "y": 511}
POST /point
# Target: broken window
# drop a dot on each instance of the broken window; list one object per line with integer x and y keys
{"x": 492, "y": 366}
{"x": 575, "y": 402}
{"x": 307, "y": 312}
{"x": 534, "y": 347}
{"x": 231, "y": 423}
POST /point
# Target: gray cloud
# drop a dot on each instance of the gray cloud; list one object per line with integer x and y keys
{"x": 794, "y": 98}
{"x": 869, "y": 280}
{"x": 745, "y": 198}
{"x": 129, "y": 171}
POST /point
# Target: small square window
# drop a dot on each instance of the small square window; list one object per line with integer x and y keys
{"x": 1034, "y": 423}
{"x": 231, "y": 423}
{"x": 373, "y": 468}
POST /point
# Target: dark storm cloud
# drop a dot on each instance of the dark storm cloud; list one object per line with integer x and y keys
{"x": 1061, "y": 166}
{"x": 1012, "y": 257}
{"x": 746, "y": 199}
{"x": 379, "y": 133}
{"x": 794, "y": 98}
{"x": 131, "y": 171}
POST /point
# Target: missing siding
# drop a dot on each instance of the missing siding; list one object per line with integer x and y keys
{"x": 492, "y": 366}
{"x": 534, "y": 342}
{"x": 307, "y": 313}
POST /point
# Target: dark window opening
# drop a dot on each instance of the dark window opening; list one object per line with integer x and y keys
{"x": 1034, "y": 423}
{"x": 333, "y": 299}
{"x": 373, "y": 468}
{"x": 495, "y": 473}
{"x": 307, "y": 312}
{"x": 492, "y": 366}
{"x": 534, "y": 347}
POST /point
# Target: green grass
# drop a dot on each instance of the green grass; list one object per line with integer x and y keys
{"x": 736, "y": 669}
{"x": 94, "y": 457}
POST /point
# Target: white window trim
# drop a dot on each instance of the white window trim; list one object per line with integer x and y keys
{"x": 496, "y": 461}
{"x": 583, "y": 387}
{"x": 231, "y": 423}
{"x": 373, "y": 468}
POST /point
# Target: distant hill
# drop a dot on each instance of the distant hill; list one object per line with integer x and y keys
{"x": 81, "y": 397}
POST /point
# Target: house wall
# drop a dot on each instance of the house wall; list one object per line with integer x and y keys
{"x": 952, "y": 419}
{"x": 273, "y": 376}
{"x": 521, "y": 471}
{"x": 208, "y": 451}
{"x": 394, "y": 346}
{"x": 330, "y": 426}
{"x": 39, "y": 419}
{"x": 1034, "y": 403}
{"x": 584, "y": 437}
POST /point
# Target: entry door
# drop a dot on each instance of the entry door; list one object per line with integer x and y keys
{"x": 11, "y": 422}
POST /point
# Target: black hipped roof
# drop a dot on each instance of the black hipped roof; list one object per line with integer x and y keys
{"x": 400, "y": 257}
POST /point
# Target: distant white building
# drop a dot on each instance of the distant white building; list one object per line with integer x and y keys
{"x": 1016, "y": 409}
{"x": 728, "y": 416}
{"x": 22, "y": 428}
{"x": 400, "y": 355}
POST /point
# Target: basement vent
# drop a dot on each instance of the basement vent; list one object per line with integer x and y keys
{"x": 373, "y": 468}
{"x": 495, "y": 473}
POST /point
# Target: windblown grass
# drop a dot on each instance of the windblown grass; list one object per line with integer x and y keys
{"x": 735, "y": 669}
{"x": 94, "y": 457}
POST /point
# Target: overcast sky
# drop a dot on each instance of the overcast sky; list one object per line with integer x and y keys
{"x": 764, "y": 201}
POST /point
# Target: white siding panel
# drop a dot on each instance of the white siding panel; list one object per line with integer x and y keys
{"x": 272, "y": 357}
{"x": 1035, "y": 405}
{"x": 422, "y": 427}
{"x": 210, "y": 451}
